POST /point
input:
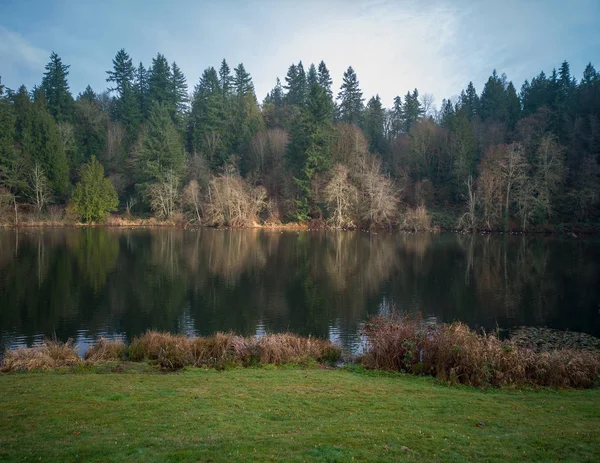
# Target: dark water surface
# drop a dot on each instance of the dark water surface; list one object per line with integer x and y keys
{"x": 80, "y": 284}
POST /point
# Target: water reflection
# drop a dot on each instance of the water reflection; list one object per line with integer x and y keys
{"x": 81, "y": 283}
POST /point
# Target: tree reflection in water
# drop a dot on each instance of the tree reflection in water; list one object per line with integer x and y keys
{"x": 114, "y": 281}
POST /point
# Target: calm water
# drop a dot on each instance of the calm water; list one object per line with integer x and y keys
{"x": 83, "y": 283}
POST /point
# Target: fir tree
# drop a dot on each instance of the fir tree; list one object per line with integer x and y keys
{"x": 225, "y": 78}
{"x": 350, "y": 97}
{"x": 374, "y": 121}
{"x": 208, "y": 121}
{"x": 56, "y": 89}
{"x": 324, "y": 79}
{"x": 160, "y": 83}
{"x": 161, "y": 149}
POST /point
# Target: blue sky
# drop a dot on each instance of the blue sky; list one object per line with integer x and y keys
{"x": 394, "y": 46}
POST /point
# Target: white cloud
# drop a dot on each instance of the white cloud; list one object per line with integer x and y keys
{"x": 18, "y": 57}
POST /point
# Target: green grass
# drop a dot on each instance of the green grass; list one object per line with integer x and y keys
{"x": 286, "y": 414}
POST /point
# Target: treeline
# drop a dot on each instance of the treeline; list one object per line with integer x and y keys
{"x": 500, "y": 159}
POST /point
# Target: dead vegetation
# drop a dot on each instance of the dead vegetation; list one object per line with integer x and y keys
{"x": 174, "y": 351}
{"x": 457, "y": 354}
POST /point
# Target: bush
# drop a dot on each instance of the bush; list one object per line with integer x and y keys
{"x": 456, "y": 354}
{"x": 50, "y": 354}
{"x": 417, "y": 219}
{"x": 94, "y": 196}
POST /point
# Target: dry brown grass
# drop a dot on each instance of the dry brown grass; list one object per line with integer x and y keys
{"x": 457, "y": 354}
{"x": 105, "y": 350}
{"x": 50, "y": 354}
{"x": 176, "y": 351}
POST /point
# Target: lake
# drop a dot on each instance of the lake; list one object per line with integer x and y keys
{"x": 84, "y": 283}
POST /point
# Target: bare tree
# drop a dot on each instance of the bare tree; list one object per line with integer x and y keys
{"x": 192, "y": 198}
{"x": 468, "y": 220}
{"x": 379, "y": 196}
{"x": 164, "y": 196}
{"x": 549, "y": 172}
{"x": 427, "y": 105}
{"x": 129, "y": 204}
{"x": 513, "y": 170}
{"x": 342, "y": 197}
{"x": 230, "y": 201}
{"x": 40, "y": 191}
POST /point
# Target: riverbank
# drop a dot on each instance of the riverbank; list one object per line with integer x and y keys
{"x": 439, "y": 222}
{"x": 286, "y": 414}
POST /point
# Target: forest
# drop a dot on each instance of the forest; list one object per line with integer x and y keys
{"x": 148, "y": 146}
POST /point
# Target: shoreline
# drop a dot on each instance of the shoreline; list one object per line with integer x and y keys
{"x": 115, "y": 222}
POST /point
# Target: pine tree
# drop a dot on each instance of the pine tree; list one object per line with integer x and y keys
{"x": 324, "y": 79}
{"x": 242, "y": 81}
{"x": 207, "y": 132}
{"x": 179, "y": 89}
{"x": 397, "y": 124}
{"x": 350, "y": 97}
{"x": 225, "y": 78}
{"x": 309, "y": 147}
{"x": 160, "y": 83}
{"x": 470, "y": 102}
{"x": 312, "y": 78}
{"x": 513, "y": 106}
{"x": 246, "y": 120}
{"x": 494, "y": 99}
{"x": 296, "y": 85}
{"x": 127, "y": 104}
{"x": 374, "y": 130}
{"x": 11, "y": 166}
{"x": 87, "y": 95}
{"x": 56, "y": 89}
{"x": 411, "y": 110}
{"x": 39, "y": 139}
{"x": 142, "y": 89}
{"x": 161, "y": 150}
{"x": 122, "y": 73}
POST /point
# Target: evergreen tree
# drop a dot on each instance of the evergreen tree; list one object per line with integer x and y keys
{"x": 494, "y": 99}
{"x": 324, "y": 79}
{"x": 350, "y": 97}
{"x": 87, "y": 95}
{"x": 160, "y": 83}
{"x": 470, "y": 101}
{"x": 40, "y": 140}
{"x": 312, "y": 78}
{"x": 397, "y": 123}
{"x": 179, "y": 89}
{"x": 56, "y": 89}
{"x": 246, "y": 120}
{"x": 225, "y": 78}
{"x": 161, "y": 149}
{"x": 11, "y": 166}
{"x": 127, "y": 108}
{"x": 411, "y": 111}
{"x": 142, "y": 89}
{"x": 309, "y": 147}
{"x": 296, "y": 85}
{"x": 122, "y": 73}
{"x": 242, "y": 81}
{"x": 513, "y": 106}
{"x": 374, "y": 121}
{"x": 207, "y": 132}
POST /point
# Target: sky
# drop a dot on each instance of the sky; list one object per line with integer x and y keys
{"x": 393, "y": 45}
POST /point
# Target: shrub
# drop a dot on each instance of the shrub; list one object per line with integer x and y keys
{"x": 47, "y": 355}
{"x": 104, "y": 350}
{"x": 417, "y": 219}
{"x": 457, "y": 354}
{"x": 94, "y": 196}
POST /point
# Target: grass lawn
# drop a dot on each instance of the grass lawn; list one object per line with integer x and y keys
{"x": 287, "y": 414}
